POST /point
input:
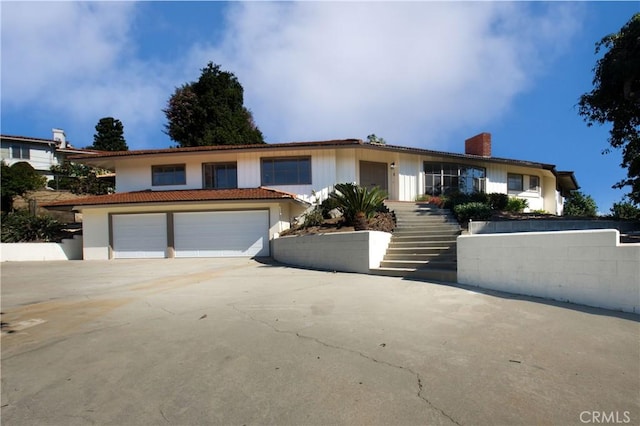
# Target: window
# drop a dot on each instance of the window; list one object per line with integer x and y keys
{"x": 286, "y": 171}
{"x": 443, "y": 178}
{"x": 534, "y": 183}
{"x": 168, "y": 175}
{"x": 220, "y": 175}
{"x": 514, "y": 182}
{"x": 20, "y": 151}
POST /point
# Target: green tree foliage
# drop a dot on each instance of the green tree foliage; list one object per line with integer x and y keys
{"x": 356, "y": 202}
{"x": 615, "y": 98}
{"x": 79, "y": 179}
{"x": 210, "y": 111}
{"x": 109, "y": 135}
{"x": 625, "y": 210}
{"x": 17, "y": 181}
{"x": 579, "y": 204}
{"x": 372, "y": 138}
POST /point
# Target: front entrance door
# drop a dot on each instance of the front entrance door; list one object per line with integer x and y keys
{"x": 374, "y": 174}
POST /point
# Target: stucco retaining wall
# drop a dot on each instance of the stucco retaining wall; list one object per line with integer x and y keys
{"x": 68, "y": 249}
{"x": 341, "y": 251}
{"x": 586, "y": 267}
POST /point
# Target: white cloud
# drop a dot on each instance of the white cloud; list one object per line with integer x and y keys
{"x": 410, "y": 72}
{"x": 76, "y": 60}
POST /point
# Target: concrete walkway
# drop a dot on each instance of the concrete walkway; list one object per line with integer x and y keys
{"x": 239, "y": 342}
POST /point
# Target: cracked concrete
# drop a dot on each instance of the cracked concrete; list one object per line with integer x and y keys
{"x": 234, "y": 341}
{"x": 356, "y": 352}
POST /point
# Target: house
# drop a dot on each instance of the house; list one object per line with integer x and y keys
{"x": 215, "y": 201}
{"x": 41, "y": 154}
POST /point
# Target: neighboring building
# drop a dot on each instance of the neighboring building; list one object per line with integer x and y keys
{"x": 232, "y": 200}
{"x": 40, "y": 153}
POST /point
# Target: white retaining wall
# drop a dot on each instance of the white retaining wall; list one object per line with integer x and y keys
{"x": 341, "y": 251}
{"x": 588, "y": 267}
{"x": 68, "y": 249}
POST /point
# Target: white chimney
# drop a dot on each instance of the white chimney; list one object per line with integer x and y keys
{"x": 60, "y": 138}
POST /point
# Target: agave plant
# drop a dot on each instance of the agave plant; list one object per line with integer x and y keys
{"x": 356, "y": 203}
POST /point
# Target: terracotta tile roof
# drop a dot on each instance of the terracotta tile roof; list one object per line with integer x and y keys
{"x": 184, "y": 195}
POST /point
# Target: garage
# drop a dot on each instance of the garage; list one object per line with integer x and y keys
{"x": 221, "y": 234}
{"x": 139, "y": 235}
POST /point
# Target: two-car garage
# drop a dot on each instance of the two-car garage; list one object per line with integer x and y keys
{"x": 232, "y": 233}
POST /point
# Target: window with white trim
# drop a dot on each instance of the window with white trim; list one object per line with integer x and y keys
{"x": 169, "y": 174}
{"x": 515, "y": 182}
{"x": 220, "y": 175}
{"x": 20, "y": 152}
{"x": 534, "y": 183}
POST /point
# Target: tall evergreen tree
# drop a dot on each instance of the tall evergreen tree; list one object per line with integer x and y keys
{"x": 109, "y": 135}
{"x": 210, "y": 111}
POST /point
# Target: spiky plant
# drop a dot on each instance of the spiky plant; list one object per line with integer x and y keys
{"x": 356, "y": 203}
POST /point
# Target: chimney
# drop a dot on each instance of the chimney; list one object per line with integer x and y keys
{"x": 60, "y": 138}
{"x": 478, "y": 145}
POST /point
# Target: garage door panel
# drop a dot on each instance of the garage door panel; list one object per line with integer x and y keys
{"x": 138, "y": 236}
{"x": 221, "y": 234}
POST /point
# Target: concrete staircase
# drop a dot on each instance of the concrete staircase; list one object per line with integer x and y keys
{"x": 423, "y": 245}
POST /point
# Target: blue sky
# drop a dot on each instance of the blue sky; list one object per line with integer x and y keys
{"x": 423, "y": 74}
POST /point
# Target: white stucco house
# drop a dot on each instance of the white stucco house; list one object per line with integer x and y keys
{"x": 41, "y": 154}
{"x": 233, "y": 200}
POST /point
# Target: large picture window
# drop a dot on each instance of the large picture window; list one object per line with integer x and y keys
{"x": 286, "y": 171}
{"x": 444, "y": 178}
{"x": 220, "y": 175}
{"x": 173, "y": 174}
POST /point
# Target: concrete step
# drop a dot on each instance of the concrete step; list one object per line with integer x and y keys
{"x": 411, "y": 245}
{"x": 427, "y": 229}
{"x": 392, "y": 272}
{"x": 437, "y": 275}
{"x": 409, "y": 251}
{"x": 451, "y": 233}
{"x": 423, "y": 244}
{"x": 417, "y": 264}
{"x": 412, "y": 257}
{"x": 420, "y": 237}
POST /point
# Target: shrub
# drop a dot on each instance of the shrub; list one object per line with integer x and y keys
{"x": 473, "y": 210}
{"x": 479, "y": 197}
{"x": 625, "y": 210}
{"x": 452, "y": 199}
{"x": 516, "y": 205}
{"x": 19, "y": 226}
{"x": 327, "y": 205}
{"x": 313, "y": 217}
{"x": 498, "y": 201}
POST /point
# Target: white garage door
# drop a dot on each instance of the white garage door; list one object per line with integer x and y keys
{"x": 139, "y": 235}
{"x": 221, "y": 234}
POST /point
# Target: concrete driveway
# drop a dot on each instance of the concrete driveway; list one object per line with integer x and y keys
{"x": 239, "y": 342}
